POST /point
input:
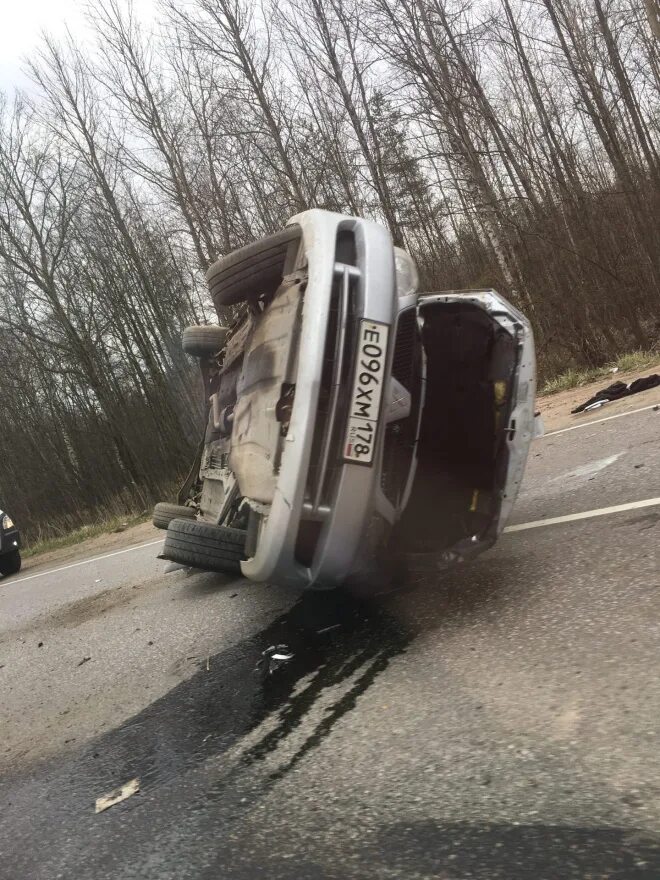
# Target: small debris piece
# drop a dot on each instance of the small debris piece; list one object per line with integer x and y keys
{"x": 596, "y": 405}
{"x": 40, "y": 645}
{"x": 274, "y": 657}
{"x": 233, "y": 595}
{"x": 84, "y": 660}
{"x": 327, "y": 629}
{"x": 150, "y": 642}
{"x": 207, "y": 663}
{"x": 117, "y": 795}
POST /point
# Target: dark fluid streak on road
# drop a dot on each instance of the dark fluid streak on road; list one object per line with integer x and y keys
{"x": 209, "y": 712}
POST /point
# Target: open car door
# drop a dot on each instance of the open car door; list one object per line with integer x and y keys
{"x": 476, "y": 426}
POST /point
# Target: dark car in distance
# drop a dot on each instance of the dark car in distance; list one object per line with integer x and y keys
{"x": 10, "y": 546}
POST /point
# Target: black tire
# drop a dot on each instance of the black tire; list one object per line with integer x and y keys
{"x": 203, "y": 340}
{"x": 10, "y": 563}
{"x": 253, "y": 270}
{"x": 206, "y": 546}
{"x": 164, "y": 513}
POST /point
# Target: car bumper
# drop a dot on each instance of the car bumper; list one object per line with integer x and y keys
{"x": 315, "y": 485}
{"x": 10, "y": 540}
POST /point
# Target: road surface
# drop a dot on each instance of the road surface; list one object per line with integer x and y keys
{"x": 501, "y": 723}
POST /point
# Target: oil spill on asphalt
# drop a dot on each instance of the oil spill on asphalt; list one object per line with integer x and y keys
{"x": 206, "y": 714}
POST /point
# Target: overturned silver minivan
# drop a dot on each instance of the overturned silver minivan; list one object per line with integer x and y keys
{"x": 351, "y": 419}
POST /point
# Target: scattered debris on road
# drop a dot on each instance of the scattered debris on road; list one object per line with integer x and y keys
{"x": 117, "y": 795}
{"x": 618, "y": 390}
{"x": 84, "y": 660}
{"x": 274, "y": 657}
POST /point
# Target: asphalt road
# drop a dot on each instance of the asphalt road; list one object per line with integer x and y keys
{"x": 500, "y": 723}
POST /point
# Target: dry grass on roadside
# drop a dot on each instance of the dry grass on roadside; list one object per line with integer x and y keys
{"x": 93, "y": 530}
{"x": 572, "y": 378}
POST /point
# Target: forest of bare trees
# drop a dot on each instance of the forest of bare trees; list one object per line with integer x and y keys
{"x": 505, "y": 143}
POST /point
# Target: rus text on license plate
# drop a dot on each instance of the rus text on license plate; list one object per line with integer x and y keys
{"x": 367, "y": 392}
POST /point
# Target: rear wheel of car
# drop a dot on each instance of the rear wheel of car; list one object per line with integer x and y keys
{"x": 10, "y": 563}
{"x": 164, "y": 513}
{"x": 203, "y": 340}
{"x": 253, "y": 270}
{"x": 204, "y": 545}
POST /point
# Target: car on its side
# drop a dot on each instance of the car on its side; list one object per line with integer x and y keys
{"x": 349, "y": 414}
{"x": 10, "y": 546}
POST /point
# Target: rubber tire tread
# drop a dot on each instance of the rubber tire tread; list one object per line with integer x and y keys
{"x": 164, "y": 513}
{"x": 182, "y": 553}
{"x": 204, "y": 545}
{"x": 238, "y": 276}
{"x": 203, "y": 340}
{"x": 229, "y": 550}
{"x": 10, "y": 563}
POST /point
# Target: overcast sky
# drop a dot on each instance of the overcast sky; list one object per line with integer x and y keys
{"x": 21, "y": 22}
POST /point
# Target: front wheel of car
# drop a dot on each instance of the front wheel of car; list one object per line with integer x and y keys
{"x": 204, "y": 545}
{"x": 253, "y": 270}
{"x": 10, "y": 563}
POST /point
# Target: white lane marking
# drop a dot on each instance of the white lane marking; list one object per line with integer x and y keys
{"x": 600, "y": 421}
{"x": 82, "y": 562}
{"x": 586, "y": 514}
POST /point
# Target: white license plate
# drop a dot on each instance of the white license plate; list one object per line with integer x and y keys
{"x": 367, "y": 392}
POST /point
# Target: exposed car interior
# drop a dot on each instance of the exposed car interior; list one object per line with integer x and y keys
{"x": 462, "y": 448}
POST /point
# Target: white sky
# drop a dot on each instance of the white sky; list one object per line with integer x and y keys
{"x": 22, "y": 21}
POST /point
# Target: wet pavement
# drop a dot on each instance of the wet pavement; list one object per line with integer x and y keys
{"x": 502, "y": 723}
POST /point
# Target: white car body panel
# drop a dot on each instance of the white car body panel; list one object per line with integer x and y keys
{"x": 305, "y": 473}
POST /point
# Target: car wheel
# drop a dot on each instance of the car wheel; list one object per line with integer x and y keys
{"x": 253, "y": 270}
{"x": 204, "y": 545}
{"x": 203, "y": 340}
{"x": 164, "y": 513}
{"x": 10, "y": 563}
